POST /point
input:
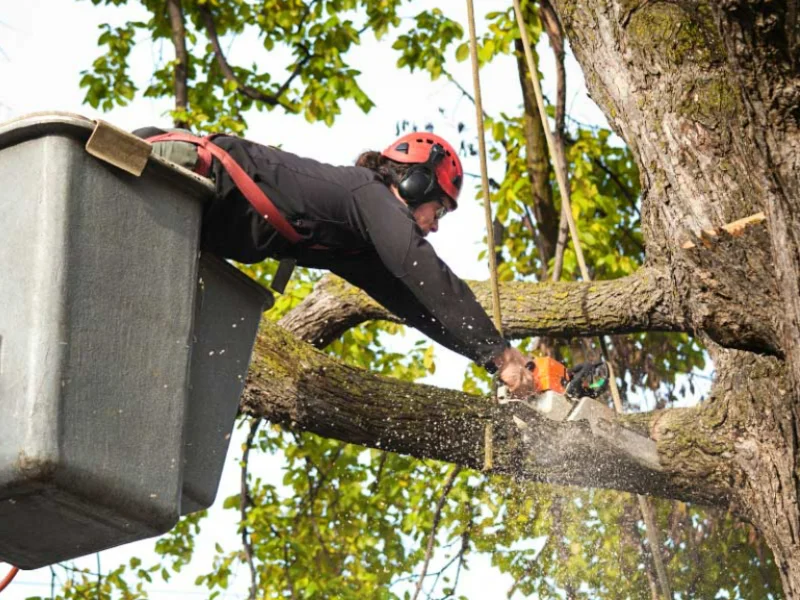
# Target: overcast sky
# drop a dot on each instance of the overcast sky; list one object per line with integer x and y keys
{"x": 44, "y": 44}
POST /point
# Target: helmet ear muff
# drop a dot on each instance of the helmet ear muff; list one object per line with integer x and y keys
{"x": 420, "y": 179}
{"x": 416, "y": 184}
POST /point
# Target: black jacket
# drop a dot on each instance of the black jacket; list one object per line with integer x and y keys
{"x": 371, "y": 240}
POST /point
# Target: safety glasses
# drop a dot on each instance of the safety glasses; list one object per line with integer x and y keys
{"x": 441, "y": 211}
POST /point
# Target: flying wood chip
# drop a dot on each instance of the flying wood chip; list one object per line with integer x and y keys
{"x": 736, "y": 228}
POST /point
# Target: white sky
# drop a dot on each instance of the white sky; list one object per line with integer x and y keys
{"x": 44, "y": 44}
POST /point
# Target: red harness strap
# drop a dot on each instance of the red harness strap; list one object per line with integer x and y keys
{"x": 254, "y": 194}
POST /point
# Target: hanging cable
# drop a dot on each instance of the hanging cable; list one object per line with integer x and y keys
{"x": 8, "y": 578}
{"x": 561, "y": 178}
{"x": 476, "y": 83}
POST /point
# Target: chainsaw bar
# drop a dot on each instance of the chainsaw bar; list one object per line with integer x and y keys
{"x": 602, "y": 421}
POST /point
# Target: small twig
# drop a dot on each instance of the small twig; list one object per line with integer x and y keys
{"x": 53, "y": 578}
{"x": 463, "y": 90}
{"x": 227, "y": 70}
{"x": 324, "y": 546}
{"x": 99, "y": 575}
{"x": 286, "y": 567}
{"x": 379, "y": 473}
{"x": 447, "y": 565}
{"x": 561, "y": 244}
{"x": 314, "y": 486}
{"x": 295, "y": 72}
{"x": 464, "y": 547}
{"x": 448, "y": 485}
{"x": 466, "y": 536}
{"x": 615, "y": 178}
{"x": 512, "y": 590}
{"x": 555, "y": 34}
{"x": 244, "y": 502}
{"x": 583, "y": 124}
{"x": 73, "y": 569}
{"x": 308, "y": 54}
{"x": 527, "y": 220}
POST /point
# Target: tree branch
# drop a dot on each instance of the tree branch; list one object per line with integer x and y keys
{"x": 647, "y": 300}
{"x": 227, "y": 70}
{"x": 462, "y": 89}
{"x": 437, "y": 516}
{"x": 293, "y": 384}
{"x": 537, "y": 162}
{"x": 555, "y": 34}
{"x": 635, "y": 303}
{"x": 178, "y": 30}
{"x": 244, "y": 503}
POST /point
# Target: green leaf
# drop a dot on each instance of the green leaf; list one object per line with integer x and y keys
{"x": 232, "y": 501}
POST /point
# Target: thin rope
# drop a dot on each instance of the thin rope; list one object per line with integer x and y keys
{"x": 488, "y": 433}
{"x": 487, "y": 207}
{"x": 561, "y": 178}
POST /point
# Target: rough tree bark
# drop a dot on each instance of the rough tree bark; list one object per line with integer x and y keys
{"x": 707, "y": 95}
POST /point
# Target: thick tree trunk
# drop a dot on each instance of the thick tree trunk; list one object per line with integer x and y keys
{"x": 707, "y": 94}
{"x": 765, "y": 453}
{"x": 761, "y": 41}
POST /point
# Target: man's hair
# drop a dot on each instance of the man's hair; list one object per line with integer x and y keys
{"x": 390, "y": 172}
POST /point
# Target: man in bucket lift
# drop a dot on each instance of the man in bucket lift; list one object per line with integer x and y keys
{"x": 365, "y": 223}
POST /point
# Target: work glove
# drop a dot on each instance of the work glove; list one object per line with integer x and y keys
{"x": 514, "y": 370}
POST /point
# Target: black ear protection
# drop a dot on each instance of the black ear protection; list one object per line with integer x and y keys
{"x": 420, "y": 179}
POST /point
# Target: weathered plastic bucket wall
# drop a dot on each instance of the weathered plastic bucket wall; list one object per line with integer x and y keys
{"x": 98, "y": 271}
{"x": 227, "y": 313}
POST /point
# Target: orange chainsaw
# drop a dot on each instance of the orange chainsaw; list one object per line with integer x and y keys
{"x": 563, "y": 394}
{"x": 586, "y": 380}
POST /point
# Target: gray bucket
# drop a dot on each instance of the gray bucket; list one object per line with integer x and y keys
{"x": 98, "y": 270}
{"x": 227, "y": 313}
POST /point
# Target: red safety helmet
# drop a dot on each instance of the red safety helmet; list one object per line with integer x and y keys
{"x": 416, "y": 147}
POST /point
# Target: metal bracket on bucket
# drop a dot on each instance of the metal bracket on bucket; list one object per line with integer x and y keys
{"x": 119, "y": 148}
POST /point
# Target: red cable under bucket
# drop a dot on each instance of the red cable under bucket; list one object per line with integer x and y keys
{"x": 7, "y": 579}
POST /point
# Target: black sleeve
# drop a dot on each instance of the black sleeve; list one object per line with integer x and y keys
{"x": 146, "y": 132}
{"x": 412, "y": 281}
